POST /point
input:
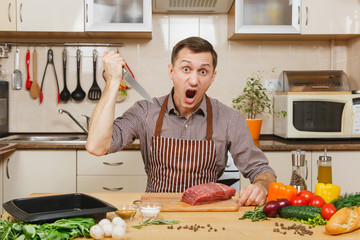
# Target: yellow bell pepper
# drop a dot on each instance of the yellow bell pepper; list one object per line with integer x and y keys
{"x": 328, "y": 192}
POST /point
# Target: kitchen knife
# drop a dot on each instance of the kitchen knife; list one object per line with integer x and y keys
{"x": 129, "y": 78}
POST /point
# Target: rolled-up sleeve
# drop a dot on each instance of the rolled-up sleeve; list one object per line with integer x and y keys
{"x": 128, "y": 127}
{"x": 248, "y": 158}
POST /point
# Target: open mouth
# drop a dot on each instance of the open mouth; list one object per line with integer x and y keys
{"x": 190, "y": 95}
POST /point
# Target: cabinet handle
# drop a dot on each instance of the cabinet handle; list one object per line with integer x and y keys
{"x": 113, "y": 189}
{"x": 21, "y": 12}
{"x": 7, "y": 169}
{"x": 307, "y": 16}
{"x": 87, "y": 10}
{"x": 298, "y": 14}
{"x": 9, "y": 12}
{"x": 113, "y": 164}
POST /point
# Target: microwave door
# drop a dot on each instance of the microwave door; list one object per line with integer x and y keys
{"x": 318, "y": 116}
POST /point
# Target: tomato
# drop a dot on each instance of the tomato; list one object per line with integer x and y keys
{"x": 305, "y": 193}
{"x": 327, "y": 211}
{"x": 316, "y": 201}
{"x": 300, "y": 200}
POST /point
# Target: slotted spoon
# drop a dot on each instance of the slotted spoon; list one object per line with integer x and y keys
{"x": 94, "y": 91}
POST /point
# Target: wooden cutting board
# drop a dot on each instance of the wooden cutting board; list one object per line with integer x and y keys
{"x": 171, "y": 203}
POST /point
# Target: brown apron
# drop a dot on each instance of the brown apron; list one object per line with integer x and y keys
{"x": 177, "y": 164}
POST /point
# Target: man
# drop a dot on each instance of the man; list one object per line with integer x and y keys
{"x": 185, "y": 136}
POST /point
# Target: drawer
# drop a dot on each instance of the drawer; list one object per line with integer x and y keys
{"x": 111, "y": 183}
{"x": 120, "y": 163}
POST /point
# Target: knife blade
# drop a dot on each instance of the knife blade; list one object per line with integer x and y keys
{"x": 128, "y": 77}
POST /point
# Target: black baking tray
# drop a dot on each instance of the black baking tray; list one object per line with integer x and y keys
{"x": 51, "y": 208}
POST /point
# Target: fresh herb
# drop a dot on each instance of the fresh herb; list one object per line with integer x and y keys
{"x": 155, "y": 221}
{"x": 59, "y": 230}
{"x": 255, "y": 215}
{"x": 347, "y": 200}
{"x": 319, "y": 221}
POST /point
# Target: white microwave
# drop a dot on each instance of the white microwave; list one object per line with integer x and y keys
{"x": 317, "y": 115}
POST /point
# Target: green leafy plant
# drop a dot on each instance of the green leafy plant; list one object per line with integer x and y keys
{"x": 254, "y": 100}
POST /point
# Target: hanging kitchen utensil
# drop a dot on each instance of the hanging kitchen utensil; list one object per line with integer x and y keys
{"x": 65, "y": 93}
{"x": 16, "y": 75}
{"x": 95, "y": 91}
{"x": 50, "y": 60}
{"x": 34, "y": 89}
{"x": 28, "y": 79}
{"x": 78, "y": 94}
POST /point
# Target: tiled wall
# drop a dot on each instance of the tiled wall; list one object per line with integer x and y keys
{"x": 149, "y": 59}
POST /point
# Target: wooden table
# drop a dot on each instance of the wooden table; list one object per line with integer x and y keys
{"x": 234, "y": 228}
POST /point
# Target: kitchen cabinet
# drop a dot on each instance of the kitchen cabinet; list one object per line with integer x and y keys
{"x": 281, "y": 162}
{"x": 345, "y": 170}
{"x": 118, "y": 16}
{"x": 303, "y": 19}
{"x": 35, "y": 171}
{"x": 50, "y": 16}
{"x": 330, "y": 17}
{"x": 8, "y": 15}
{"x": 265, "y": 17}
{"x": 118, "y": 172}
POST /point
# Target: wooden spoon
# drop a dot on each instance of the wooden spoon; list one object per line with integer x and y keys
{"x": 34, "y": 89}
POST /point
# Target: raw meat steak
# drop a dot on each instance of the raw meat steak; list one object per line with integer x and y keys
{"x": 207, "y": 193}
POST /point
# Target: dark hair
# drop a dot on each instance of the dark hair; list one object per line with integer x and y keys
{"x": 195, "y": 44}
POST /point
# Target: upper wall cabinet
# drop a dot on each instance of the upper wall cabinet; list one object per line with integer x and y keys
{"x": 118, "y": 16}
{"x": 294, "y": 19}
{"x": 50, "y": 16}
{"x": 8, "y": 15}
{"x": 264, "y": 16}
{"x": 330, "y": 17}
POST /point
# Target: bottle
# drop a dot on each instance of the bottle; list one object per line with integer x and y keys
{"x": 299, "y": 170}
{"x": 324, "y": 169}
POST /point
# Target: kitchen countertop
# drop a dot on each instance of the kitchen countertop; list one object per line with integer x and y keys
{"x": 234, "y": 228}
{"x": 266, "y": 143}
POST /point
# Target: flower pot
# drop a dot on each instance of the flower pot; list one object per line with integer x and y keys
{"x": 255, "y": 127}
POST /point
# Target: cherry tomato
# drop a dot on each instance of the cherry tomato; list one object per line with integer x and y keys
{"x": 305, "y": 193}
{"x": 327, "y": 211}
{"x": 316, "y": 201}
{"x": 300, "y": 200}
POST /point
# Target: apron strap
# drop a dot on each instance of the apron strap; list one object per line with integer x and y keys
{"x": 209, "y": 120}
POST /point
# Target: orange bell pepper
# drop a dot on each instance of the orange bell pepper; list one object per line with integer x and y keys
{"x": 279, "y": 190}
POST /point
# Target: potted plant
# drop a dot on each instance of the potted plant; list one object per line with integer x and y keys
{"x": 254, "y": 101}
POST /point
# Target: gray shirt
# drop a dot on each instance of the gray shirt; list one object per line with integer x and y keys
{"x": 230, "y": 133}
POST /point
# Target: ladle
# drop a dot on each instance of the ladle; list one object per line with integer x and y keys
{"x": 65, "y": 93}
{"x": 78, "y": 94}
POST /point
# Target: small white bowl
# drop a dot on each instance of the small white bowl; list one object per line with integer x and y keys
{"x": 150, "y": 210}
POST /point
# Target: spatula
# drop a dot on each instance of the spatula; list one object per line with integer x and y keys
{"x": 35, "y": 88}
{"x": 16, "y": 75}
{"x": 94, "y": 91}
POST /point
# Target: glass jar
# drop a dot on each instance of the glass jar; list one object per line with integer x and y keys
{"x": 299, "y": 170}
{"x": 324, "y": 169}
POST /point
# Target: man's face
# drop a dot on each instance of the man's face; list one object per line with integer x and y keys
{"x": 192, "y": 75}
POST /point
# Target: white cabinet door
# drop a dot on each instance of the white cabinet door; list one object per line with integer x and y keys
{"x": 120, "y": 163}
{"x": 267, "y": 17}
{"x": 117, "y": 172}
{"x": 118, "y": 16}
{"x": 282, "y": 165}
{"x": 345, "y": 170}
{"x": 8, "y": 15}
{"x": 38, "y": 171}
{"x": 50, "y": 16}
{"x": 330, "y": 17}
{"x": 111, "y": 184}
